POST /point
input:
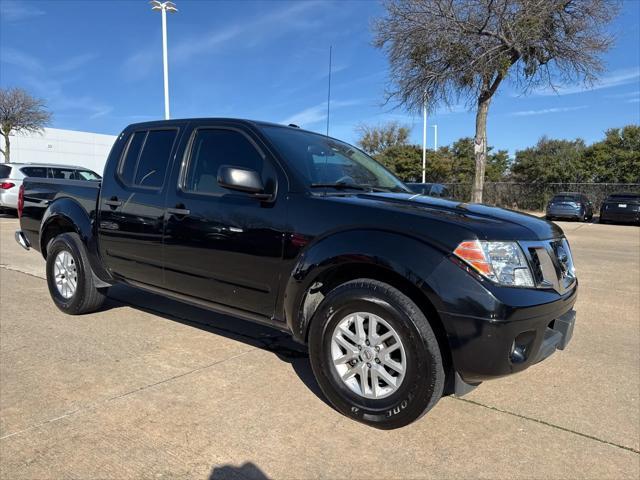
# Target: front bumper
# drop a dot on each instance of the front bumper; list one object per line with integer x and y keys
{"x": 496, "y": 331}
{"x": 485, "y": 349}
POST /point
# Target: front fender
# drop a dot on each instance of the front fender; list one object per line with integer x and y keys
{"x": 406, "y": 256}
{"x": 69, "y": 213}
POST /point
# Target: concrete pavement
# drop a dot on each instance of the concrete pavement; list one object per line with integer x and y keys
{"x": 150, "y": 388}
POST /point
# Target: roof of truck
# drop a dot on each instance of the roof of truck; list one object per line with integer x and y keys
{"x": 174, "y": 121}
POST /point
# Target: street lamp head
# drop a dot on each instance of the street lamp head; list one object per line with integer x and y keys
{"x": 166, "y": 6}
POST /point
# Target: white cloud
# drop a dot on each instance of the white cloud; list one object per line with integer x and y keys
{"x": 544, "y": 111}
{"x": 48, "y": 82}
{"x": 635, "y": 93}
{"x": 615, "y": 78}
{"x": 13, "y": 11}
{"x": 74, "y": 63}
{"x": 253, "y": 31}
{"x": 317, "y": 113}
{"x": 19, "y": 59}
{"x": 32, "y": 64}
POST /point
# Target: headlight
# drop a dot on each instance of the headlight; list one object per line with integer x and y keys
{"x": 501, "y": 262}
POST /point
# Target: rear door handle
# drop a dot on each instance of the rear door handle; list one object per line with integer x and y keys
{"x": 178, "y": 211}
{"x": 113, "y": 203}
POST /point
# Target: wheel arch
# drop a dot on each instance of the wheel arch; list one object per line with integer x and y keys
{"x": 385, "y": 256}
{"x": 66, "y": 215}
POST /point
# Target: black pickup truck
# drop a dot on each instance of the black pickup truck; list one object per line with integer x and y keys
{"x": 400, "y": 297}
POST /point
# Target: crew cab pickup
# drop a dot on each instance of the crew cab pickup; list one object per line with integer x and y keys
{"x": 400, "y": 297}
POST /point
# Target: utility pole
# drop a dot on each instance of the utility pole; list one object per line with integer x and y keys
{"x": 164, "y": 7}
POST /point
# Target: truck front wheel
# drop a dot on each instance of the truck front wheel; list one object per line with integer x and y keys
{"x": 69, "y": 276}
{"x": 375, "y": 355}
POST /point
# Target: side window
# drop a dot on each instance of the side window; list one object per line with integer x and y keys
{"x": 128, "y": 163}
{"x": 62, "y": 173}
{"x": 37, "y": 172}
{"x": 212, "y": 148}
{"x": 155, "y": 156}
{"x": 146, "y": 158}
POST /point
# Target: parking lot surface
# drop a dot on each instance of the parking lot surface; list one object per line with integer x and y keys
{"x": 150, "y": 388}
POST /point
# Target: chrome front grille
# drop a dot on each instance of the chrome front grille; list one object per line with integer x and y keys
{"x": 551, "y": 264}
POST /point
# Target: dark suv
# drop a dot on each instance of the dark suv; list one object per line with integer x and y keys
{"x": 571, "y": 206}
{"x": 621, "y": 207}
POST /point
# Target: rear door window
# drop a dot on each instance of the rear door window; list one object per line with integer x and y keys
{"x": 38, "y": 172}
{"x": 62, "y": 173}
{"x": 146, "y": 158}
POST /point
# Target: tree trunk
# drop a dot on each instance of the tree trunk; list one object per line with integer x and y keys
{"x": 7, "y": 148}
{"x": 480, "y": 148}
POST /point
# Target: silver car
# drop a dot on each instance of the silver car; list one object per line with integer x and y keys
{"x": 12, "y": 174}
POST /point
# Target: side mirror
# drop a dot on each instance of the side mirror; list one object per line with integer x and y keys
{"x": 243, "y": 180}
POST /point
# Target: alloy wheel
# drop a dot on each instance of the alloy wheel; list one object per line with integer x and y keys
{"x": 368, "y": 355}
{"x": 65, "y": 274}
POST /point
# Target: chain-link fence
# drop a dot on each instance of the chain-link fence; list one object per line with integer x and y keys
{"x": 535, "y": 196}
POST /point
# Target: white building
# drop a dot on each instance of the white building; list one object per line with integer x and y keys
{"x": 66, "y": 147}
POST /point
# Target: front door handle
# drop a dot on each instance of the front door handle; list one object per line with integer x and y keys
{"x": 113, "y": 202}
{"x": 178, "y": 211}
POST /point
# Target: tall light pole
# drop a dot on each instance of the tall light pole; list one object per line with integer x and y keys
{"x": 424, "y": 141}
{"x": 164, "y": 7}
{"x": 435, "y": 137}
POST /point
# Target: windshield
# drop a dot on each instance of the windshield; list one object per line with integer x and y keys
{"x": 325, "y": 162}
{"x": 615, "y": 197}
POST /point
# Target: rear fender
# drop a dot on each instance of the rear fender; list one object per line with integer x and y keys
{"x": 405, "y": 256}
{"x": 66, "y": 214}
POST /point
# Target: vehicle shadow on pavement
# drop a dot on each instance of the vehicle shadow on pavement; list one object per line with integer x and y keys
{"x": 247, "y": 470}
{"x": 256, "y": 335}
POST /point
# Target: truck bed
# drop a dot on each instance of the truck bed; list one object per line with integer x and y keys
{"x": 39, "y": 193}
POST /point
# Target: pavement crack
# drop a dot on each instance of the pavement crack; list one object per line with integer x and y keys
{"x": 101, "y": 403}
{"x": 14, "y": 269}
{"x": 180, "y": 375}
{"x": 548, "y": 424}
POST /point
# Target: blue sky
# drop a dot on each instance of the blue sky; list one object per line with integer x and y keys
{"x": 98, "y": 64}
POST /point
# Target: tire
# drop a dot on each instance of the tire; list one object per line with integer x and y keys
{"x": 86, "y": 298}
{"x": 424, "y": 375}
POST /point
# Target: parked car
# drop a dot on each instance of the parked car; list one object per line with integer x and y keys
{"x": 621, "y": 207}
{"x": 570, "y": 205}
{"x": 400, "y": 298}
{"x": 431, "y": 189}
{"x": 12, "y": 175}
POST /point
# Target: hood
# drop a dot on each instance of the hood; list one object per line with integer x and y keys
{"x": 484, "y": 222}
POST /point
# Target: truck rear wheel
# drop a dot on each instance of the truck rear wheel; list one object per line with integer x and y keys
{"x": 375, "y": 355}
{"x": 70, "y": 278}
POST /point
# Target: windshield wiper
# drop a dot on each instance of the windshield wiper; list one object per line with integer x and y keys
{"x": 341, "y": 186}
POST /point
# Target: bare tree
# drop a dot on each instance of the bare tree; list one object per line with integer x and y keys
{"x": 446, "y": 51}
{"x": 375, "y": 139}
{"x": 20, "y": 112}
